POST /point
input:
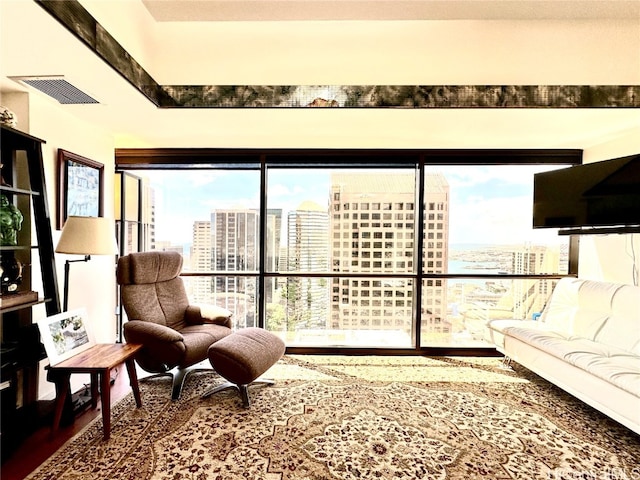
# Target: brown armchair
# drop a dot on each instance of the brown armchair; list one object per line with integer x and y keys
{"x": 175, "y": 334}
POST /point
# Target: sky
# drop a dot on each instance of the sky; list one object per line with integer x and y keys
{"x": 489, "y": 204}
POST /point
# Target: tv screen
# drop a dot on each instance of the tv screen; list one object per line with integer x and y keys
{"x": 598, "y": 194}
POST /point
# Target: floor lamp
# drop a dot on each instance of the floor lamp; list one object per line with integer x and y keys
{"x": 85, "y": 236}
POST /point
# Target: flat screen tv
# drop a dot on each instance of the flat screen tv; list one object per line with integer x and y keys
{"x": 599, "y": 194}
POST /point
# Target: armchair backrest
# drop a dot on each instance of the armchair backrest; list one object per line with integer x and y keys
{"x": 151, "y": 288}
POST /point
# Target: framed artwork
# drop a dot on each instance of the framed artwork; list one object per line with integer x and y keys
{"x": 65, "y": 334}
{"x": 81, "y": 187}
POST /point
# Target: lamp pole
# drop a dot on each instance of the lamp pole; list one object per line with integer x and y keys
{"x": 66, "y": 279}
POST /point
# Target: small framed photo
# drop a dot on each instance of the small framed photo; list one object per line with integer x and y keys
{"x": 65, "y": 335}
{"x": 80, "y": 187}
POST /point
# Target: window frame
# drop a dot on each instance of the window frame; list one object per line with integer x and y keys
{"x": 264, "y": 160}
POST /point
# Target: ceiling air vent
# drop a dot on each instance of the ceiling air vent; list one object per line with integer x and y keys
{"x": 58, "y": 88}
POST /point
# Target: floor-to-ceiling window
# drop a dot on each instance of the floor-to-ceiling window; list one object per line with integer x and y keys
{"x": 482, "y": 259}
{"x": 333, "y": 251}
{"x": 347, "y": 270}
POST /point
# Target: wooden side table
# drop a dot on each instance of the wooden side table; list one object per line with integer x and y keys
{"x": 98, "y": 362}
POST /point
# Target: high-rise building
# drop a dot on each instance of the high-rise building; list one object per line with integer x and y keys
{"x": 372, "y": 229}
{"x": 137, "y": 218}
{"x": 307, "y": 298}
{"x": 530, "y": 295}
{"x": 201, "y": 261}
{"x": 272, "y": 259}
{"x": 167, "y": 246}
{"x": 436, "y": 327}
{"x": 235, "y": 248}
{"x": 149, "y": 201}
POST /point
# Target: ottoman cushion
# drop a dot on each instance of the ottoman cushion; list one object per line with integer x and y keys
{"x": 245, "y": 354}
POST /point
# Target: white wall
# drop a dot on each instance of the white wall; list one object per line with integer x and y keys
{"x": 91, "y": 284}
{"x": 612, "y": 258}
{"x": 465, "y": 52}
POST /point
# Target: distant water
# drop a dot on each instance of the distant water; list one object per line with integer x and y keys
{"x": 463, "y": 247}
{"x": 475, "y": 268}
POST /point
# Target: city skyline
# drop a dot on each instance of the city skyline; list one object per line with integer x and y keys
{"x": 368, "y": 227}
{"x": 491, "y": 204}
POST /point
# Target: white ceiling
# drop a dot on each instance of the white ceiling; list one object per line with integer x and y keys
{"x": 580, "y": 40}
{"x": 305, "y": 10}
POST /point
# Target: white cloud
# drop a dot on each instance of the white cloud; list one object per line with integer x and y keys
{"x": 468, "y": 176}
{"x": 498, "y": 221}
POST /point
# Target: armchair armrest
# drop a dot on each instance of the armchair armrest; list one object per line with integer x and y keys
{"x": 138, "y": 331}
{"x": 198, "y": 314}
{"x": 163, "y": 347}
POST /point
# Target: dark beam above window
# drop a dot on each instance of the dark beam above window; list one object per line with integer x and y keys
{"x": 139, "y": 158}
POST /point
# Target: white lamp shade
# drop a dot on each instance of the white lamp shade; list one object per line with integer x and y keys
{"x": 88, "y": 236}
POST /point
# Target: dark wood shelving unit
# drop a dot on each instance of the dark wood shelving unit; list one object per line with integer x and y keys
{"x": 21, "y": 351}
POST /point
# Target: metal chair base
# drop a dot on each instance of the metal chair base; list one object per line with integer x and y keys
{"x": 178, "y": 377}
{"x": 242, "y": 389}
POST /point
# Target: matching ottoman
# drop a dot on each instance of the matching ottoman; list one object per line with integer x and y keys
{"x": 242, "y": 357}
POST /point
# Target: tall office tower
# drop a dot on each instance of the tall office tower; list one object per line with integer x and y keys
{"x": 200, "y": 288}
{"x": 150, "y": 194}
{"x": 282, "y": 260}
{"x": 307, "y": 299}
{"x": 436, "y": 327}
{"x": 529, "y": 295}
{"x": 235, "y": 240}
{"x": 563, "y": 265}
{"x": 272, "y": 259}
{"x": 145, "y": 225}
{"x": 372, "y": 231}
{"x": 138, "y": 218}
{"x": 167, "y": 246}
{"x": 282, "y": 267}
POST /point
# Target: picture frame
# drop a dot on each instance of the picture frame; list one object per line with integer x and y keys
{"x": 66, "y": 334}
{"x": 80, "y": 186}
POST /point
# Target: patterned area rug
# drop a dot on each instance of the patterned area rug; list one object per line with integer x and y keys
{"x": 356, "y": 418}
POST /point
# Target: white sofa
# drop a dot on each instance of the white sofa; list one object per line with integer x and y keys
{"x": 587, "y": 342}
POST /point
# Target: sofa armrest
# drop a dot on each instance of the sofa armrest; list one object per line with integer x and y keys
{"x": 198, "y": 314}
{"x": 137, "y": 331}
{"x": 496, "y": 329}
{"x": 500, "y": 325}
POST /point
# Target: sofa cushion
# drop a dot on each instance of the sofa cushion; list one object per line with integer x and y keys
{"x": 497, "y": 328}
{"x": 608, "y": 313}
{"x": 612, "y": 364}
{"x": 560, "y": 310}
{"x": 198, "y": 339}
{"x": 619, "y": 368}
{"x": 622, "y": 328}
{"x": 578, "y": 307}
{"x": 594, "y": 308}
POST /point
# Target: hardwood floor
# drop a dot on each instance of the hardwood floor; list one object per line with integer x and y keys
{"x": 42, "y": 444}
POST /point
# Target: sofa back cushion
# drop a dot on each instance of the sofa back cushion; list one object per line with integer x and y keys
{"x": 622, "y": 328}
{"x": 560, "y": 311}
{"x": 604, "y": 312}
